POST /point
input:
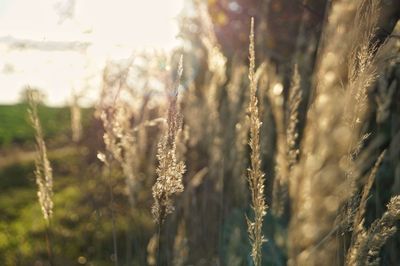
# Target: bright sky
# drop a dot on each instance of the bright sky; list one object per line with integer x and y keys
{"x": 36, "y": 39}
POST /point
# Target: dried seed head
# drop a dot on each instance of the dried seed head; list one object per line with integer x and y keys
{"x": 43, "y": 171}
{"x": 169, "y": 170}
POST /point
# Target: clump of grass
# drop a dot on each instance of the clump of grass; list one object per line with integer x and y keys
{"x": 319, "y": 182}
{"x": 255, "y": 176}
{"x": 366, "y": 249}
{"x": 347, "y": 61}
{"x": 169, "y": 170}
{"x": 287, "y": 151}
{"x": 121, "y": 143}
{"x": 359, "y": 231}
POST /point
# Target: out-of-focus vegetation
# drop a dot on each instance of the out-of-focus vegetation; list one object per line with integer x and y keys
{"x": 325, "y": 88}
{"x": 16, "y": 130}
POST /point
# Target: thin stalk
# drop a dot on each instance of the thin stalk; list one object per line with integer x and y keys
{"x": 48, "y": 244}
{"x": 159, "y": 244}
{"x": 113, "y": 219}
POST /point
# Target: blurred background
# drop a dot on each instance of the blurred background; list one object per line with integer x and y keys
{"x": 61, "y": 46}
{"x": 85, "y": 57}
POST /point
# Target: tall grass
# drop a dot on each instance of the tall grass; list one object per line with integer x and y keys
{"x": 255, "y": 176}
{"x": 183, "y": 157}
{"x": 43, "y": 172}
{"x": 169, "y": 171}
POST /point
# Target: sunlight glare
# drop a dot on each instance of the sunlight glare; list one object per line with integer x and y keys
{"x": 56, "y": 47}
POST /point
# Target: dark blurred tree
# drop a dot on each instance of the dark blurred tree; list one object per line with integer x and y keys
{"x": 279, "y": 25}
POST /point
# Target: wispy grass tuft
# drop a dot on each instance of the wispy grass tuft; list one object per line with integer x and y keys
{"x": 169, "y": 171}
{"x": 367, "y": 249}
{"x": 255, "y": 176}
{"x": 43, "y": 171}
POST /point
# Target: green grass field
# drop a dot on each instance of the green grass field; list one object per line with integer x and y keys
{"x": 15, "y": 128}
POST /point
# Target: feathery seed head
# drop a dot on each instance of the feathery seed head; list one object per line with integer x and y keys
{"x": 169, "y": 170}
{"x": 43, "y": 171}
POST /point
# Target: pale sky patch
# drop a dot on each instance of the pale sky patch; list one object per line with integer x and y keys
{"x": 110, "y": 28}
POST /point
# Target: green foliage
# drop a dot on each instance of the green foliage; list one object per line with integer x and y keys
{"x": 15, "y": 127}
{"x": 16, "y": 176}
{"x": 81, "y": 224}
